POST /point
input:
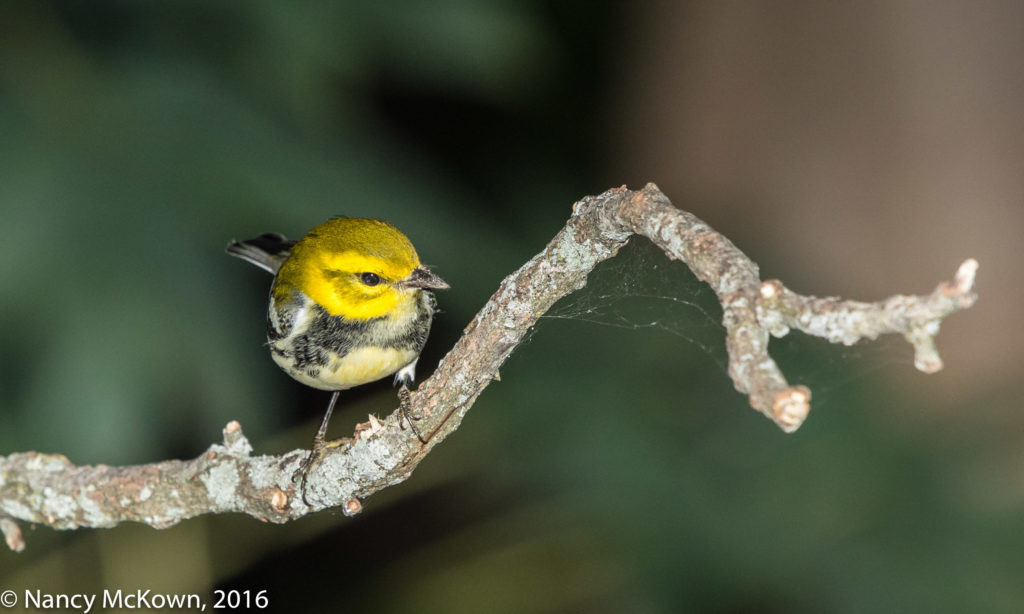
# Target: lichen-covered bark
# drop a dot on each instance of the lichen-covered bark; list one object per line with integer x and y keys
{"x": 50, "y": 490}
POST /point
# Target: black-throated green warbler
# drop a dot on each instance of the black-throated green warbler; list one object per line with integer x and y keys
{"x": 350, "y": 304}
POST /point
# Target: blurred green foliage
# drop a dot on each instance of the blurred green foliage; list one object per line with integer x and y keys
{"x": 139, "y": 139}
{"x": 614, "y": 468}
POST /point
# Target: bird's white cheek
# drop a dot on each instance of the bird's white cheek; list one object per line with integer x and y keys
{"x": 302, "y": 319}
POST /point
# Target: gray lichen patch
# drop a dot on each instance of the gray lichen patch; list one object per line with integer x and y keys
{"x": 58, "y": 505}
{"x": 264, "y": 475}
{"x": 575, "y": 256}
{"x": 48, "y": 462}
{"x": 18, "y": 509}
{"x": 221, "y": 482}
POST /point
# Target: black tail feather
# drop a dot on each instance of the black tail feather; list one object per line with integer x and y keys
{"x": 267, "y": 251}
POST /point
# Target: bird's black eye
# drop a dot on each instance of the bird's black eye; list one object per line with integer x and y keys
{"x": 370, "y": 279}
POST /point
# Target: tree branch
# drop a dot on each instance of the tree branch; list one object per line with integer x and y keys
{"x": 50, "y": 490}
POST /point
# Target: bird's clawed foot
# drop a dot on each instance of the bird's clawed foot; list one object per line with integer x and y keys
{"x": 301, "y": 475}
{"x": 405, "y": 405}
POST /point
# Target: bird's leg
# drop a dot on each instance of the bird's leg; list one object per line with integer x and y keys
{"x": 318, "y": 445}
{"x": 404, "y": 403}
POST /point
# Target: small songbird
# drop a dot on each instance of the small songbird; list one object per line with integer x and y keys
{"x": 350, "y": 304}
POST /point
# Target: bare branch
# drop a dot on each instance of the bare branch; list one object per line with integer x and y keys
{"x": 50, "y": 490}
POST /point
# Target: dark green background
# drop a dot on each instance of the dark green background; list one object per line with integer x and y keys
{"x": 613, "y": 468}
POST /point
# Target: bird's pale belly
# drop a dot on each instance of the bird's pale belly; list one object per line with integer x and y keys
{"x": 359, "y": 366}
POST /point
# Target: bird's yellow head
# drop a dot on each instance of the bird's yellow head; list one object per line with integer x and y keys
{"x": 356, "y": 268}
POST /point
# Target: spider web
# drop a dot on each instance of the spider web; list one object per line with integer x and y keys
{"x": 641, "y": 289}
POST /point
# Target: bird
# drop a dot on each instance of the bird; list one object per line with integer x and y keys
{"x": 350, "y": 304}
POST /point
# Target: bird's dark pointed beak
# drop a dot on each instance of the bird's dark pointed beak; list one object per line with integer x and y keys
{"x": 422, "y": 277}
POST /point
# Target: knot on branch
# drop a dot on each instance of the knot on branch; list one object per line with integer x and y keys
{"x": 791, "y": 406}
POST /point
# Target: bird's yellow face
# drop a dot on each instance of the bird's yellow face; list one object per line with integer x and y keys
{"x": 356, "y": 268}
